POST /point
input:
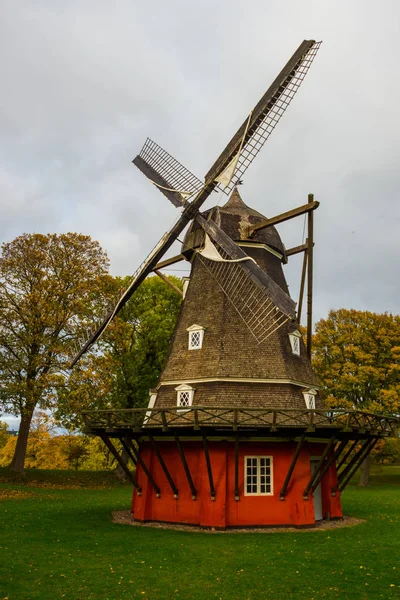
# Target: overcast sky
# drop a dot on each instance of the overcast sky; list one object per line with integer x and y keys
{"x": 84, "y": 82}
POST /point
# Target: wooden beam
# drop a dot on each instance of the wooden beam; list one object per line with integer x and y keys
{"x": 145, "y": 469}
{"x": 169, "y": 261}
{"x": 317, "y": 470}
{"x": 297, "y": 249}
{"x": 168, "y": 282}
{"x": 358, "y": 464}
{"x": 310, "y": 253}
{"x": 128, "y": 450}
{"x": 209, "y": 469}
{"x": 237, "y": 468}
{"x": 328, "y": 464}
{"x": 292, "y": 466}
{"x": 120, "y": 461}
{"x": 302, "y": 286}
{"x": 185, "y": 466}
{"x": 347, "y": 454}
{"x": 164, "y": 467}
{"x": 343, "y": 474}
{"x": 290, "y": 214}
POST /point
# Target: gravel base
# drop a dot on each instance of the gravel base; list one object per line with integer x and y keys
{"x": 124, "y": 517}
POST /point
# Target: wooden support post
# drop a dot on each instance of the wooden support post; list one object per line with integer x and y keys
{"x": 169, "y": 261}
{"x": 185, "y": 466}
{"x": 310, "y": 258}
{"x": 347, "y": 454}
{"x": 209, "y": 469}
{"x": 302, "y": 285}
{"x": 290, "y": 214}
{"x": 164, "y": 467}
{"x": 358, "y": 464}
{"x": 292, "y": 466}
{"x": 121, "y": 462}
{"x": 128, "y": 450}
{"x": 343, "y": 474}
{"x": 145, "y": 469}
{"x": 317, "y": 470}
{"x": 297, "y": 249}
{"x": 328, "y": 463}
{"x": 168, "y": 282}
{"x": 237, "y": 468}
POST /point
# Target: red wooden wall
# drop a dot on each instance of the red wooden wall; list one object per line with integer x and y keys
{"x": 225, "y": 511}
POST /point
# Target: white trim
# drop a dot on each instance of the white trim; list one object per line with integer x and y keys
{"x": 237, "y": 380}
{"x": 184, "y": 389}
{"x": 152, "y": 401}
{"x": 186, "y": 281}
{"x": 271, "y": 478}
{"x": 309, "y": 398}
{"x": 195, "y": 329}
{"x": 294, "y": 338}
{"x": 264, "y": 246}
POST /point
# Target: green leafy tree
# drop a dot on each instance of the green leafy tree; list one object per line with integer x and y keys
{"x": 50, "y": 285}
{"x": 130, "y": 355}
{"x": 3, "y": 434}
{"x": 356, "y": 355}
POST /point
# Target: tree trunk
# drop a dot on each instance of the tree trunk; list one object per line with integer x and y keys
{"x": 364, "y": 472}
{"x": 119, "y": 472}
{"x": 18, "y": 461}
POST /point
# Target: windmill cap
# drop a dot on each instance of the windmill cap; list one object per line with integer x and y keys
{"x": 236, "y": 218}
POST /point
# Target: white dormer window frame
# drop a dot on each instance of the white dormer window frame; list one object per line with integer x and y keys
{"x": 184, "y": 397}
{"x": 294, "y": 338}
{"x": 186, "y": 281}
{"x": 196, "y": 336}
{"x": 309, "y": 398}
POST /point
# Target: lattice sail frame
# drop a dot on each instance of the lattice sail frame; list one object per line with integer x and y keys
{"x": 178, "y": 177}
{"x": 272, "y": 115}
{"x": 257, "y": 310}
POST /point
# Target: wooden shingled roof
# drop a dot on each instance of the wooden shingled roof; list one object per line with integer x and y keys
{"x": 230, "y": 354}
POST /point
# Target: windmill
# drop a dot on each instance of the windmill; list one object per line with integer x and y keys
{"x": 235, "y": 432}
{"x": 242, "y": 278}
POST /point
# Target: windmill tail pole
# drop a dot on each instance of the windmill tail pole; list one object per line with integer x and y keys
{"x": 310, "y": 260}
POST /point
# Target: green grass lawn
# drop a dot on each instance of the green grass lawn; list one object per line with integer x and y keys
{"x": 60, "y": 543}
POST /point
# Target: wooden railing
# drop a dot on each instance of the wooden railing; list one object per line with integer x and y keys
{"x": 196, "y": 417}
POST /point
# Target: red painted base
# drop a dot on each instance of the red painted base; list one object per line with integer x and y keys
{"x": 225, "y": 511}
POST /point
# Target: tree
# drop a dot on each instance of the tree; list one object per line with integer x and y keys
{"x": 131, "y": 355}
{"x": 3, "y": 434}
{"x": 50, "y": 286}
{"x": 356, "y": 355}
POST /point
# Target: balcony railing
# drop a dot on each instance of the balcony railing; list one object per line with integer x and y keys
{"x": 199, "y": 417}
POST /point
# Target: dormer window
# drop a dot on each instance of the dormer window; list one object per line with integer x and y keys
{"x": 295, "y": 342}
{"x": 196, "y": 335}
{"x": 309, "y": 397}
{"x": 184, "y": 398}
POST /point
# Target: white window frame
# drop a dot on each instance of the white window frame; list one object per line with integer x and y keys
{"x": 198, "y": 330}
{"x": 184, "y": 389}
{"x": 295, "y": 342}
{"x": 309, "y": 398}
{"x": 258, "y": 459}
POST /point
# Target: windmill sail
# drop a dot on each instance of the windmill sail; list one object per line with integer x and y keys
{"x": 173, "y": 179}
{"x": 260, "y": 302}
{"x": 252, "y": 135}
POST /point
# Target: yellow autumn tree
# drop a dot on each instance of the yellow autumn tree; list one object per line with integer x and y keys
{"x": 50, "y": 286}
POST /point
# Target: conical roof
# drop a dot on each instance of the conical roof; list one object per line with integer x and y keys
{"x": 236, "y": 218}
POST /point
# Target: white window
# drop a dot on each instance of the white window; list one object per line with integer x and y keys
{"x": 184, "y": 397}
{"x": 295, "y": 342}
{"x": 258, "y": 476}
{"x": 196, "y": 335}
{"x": 309, "y": 397}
